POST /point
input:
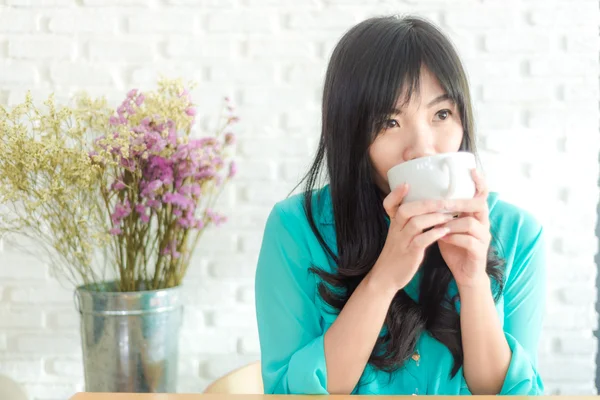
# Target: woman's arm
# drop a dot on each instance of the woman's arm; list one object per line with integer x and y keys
{"x": 486, "y": 352}
{"x": 504, "y": 360}
{"x": 294, "y": 346}
{"x": 497, "y": 359}
{"x": 351, "y": 339}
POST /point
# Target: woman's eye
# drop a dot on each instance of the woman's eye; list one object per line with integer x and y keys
{"x": 391, "y": 123}
{"x": 443, "y": 114}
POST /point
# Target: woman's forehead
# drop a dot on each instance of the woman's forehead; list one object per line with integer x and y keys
{"x": 425, "y": 89}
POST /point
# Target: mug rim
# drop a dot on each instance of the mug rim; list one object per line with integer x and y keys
{"x": 436, "y": 156}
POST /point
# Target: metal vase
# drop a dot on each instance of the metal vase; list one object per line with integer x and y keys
{"x": 129, "y": 339}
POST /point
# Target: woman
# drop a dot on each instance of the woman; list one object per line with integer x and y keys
{"x": 359, "y": 293}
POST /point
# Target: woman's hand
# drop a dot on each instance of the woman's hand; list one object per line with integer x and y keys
{"x": 408, "y": 236}
{"x": 465, "y": 248}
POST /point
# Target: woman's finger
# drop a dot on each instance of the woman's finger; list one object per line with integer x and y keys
{"x": 409, "y": 210}
{"x": 470, "y": 226}
{"x": 419, "y": 223}
{"x": 465, "y": 241}
{"x": 426, "y": 239}
{"x": 475, "y": 205}
{"x": 393, "y": 200}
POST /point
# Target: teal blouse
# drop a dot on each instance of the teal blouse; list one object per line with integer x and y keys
{"x": 293, "y": 318}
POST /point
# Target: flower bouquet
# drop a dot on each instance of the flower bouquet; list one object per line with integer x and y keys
{"x": 117, "y": 200}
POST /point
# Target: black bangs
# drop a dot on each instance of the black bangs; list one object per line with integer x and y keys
{"x": 384, "y": 60}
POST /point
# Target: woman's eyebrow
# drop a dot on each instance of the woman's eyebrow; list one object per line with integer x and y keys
{"x": 439, "y": 99}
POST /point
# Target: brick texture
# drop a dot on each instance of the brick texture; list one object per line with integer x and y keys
{"x": 533, "y": 67}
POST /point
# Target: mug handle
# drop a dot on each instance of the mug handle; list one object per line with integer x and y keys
{"x": 446, "y": 165}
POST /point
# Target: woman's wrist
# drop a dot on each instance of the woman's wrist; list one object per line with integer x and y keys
{"x": 380, "y": 283}
{"x": 476, "y": 286}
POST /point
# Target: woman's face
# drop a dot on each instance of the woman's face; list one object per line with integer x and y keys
{"x": 429, "y": 124}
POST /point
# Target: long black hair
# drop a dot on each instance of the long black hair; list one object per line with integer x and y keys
{"x": 374, "y": 62}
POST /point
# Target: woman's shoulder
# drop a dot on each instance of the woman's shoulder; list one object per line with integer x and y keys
{"x": 292, "y": 209}
{"x": 288, "y": 233}
{"x": 510, "y": 220}
{"x": 289, "y": 217}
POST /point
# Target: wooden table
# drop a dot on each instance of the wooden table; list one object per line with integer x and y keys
{"x": 126, "y": 396}
{"x": 168, "y": 396}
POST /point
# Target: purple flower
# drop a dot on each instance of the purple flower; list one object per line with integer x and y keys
{"x": 121, "y": 212}
{"x": 185, "y": 222}
{"x": 128, "y": 163}
{"x": 124, "y": 209}
{"x": 188, "y": 221}
{"x": 154, "y": 142}
{"x": 232, "y": 170}
{"x": 205, "y": 173}
{"x": 98, "y": 140}
{"x": 141, "y": 210}
{"x": 139, "y": 139}
{"x": 229, "y": 138}
{"x": 175, "y": 181}
{"x": 186, "y": 93}
{"x": 185, "y": 170}
{"x": 159, "y": 168}
{"x": 178, "y": 200}
{"x": 194, "y": 190}
{"x": 129, "y": 109}
{"x": 171, "y": 250}
{"x": 172, "y": 137}
{"x": 208, "y": 141}
{"x": 217, "y": 162}
{"x": 153, "y": 204}
{"x": 140, "y": 99}
{"x": 215, "y": 218}
{"x": 118, "y": 185}
{"x": 181, "y": 153}
{"x": 149, "y": 189}
{"x": 179, "y": 182}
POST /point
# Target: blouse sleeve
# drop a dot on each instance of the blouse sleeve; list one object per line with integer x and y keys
{"x": 524, "y": 306}
{"x": 289, "y": 323}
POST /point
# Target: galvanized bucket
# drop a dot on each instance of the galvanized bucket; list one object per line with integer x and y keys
{"x": 129, "y": 339}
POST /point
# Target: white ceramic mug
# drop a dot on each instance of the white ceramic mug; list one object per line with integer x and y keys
{"x": 441, "y": 176}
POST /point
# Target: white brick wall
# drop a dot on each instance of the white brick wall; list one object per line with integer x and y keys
{"x": 533, "y": 66}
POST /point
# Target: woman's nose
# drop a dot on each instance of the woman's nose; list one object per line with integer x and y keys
{"x": 420, "y": 145}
